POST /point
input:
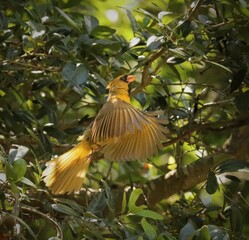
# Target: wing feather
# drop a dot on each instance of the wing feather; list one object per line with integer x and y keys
{"x": 125, "y": 133}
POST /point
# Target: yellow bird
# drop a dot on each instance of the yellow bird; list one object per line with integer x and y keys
{"x": 119, "y": 131}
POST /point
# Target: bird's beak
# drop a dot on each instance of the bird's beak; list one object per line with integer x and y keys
{"x": 131, "y": 78}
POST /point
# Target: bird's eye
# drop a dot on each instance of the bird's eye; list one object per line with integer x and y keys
{"x": 124, "y": 78}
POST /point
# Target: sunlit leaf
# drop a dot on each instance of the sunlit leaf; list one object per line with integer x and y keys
{"x": 27, "y": 182}
{"x": 135, "y": 194}
{"x": 213, "y": 201}
{"x": 102, "y": 31}
{"x": 167, "y": 17}
{"x": 124, "y": 203}
{"x": 175, "y": 60}
{"x": 204, "y": 233}
{"x": 149, "y": 214}
{"x": 15, "y": 171}
{"x": 134, "y": 41}
{"x": 17, "y": 153}
{"x": 154, "y": 42}
{"x": 148, "y": 14}
{"x": 37, "y": 29}
{"x": 148, "y": 229}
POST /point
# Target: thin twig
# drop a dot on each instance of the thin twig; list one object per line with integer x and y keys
{"x": 58, "y": 229}
{"x": 213, "y": 126}
{"x": 194, "y": 10}
{"x": 146, "y": 78}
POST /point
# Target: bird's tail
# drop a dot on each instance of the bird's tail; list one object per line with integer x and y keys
{"x": 66, "y": 173}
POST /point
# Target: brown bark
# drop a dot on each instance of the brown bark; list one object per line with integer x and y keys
{"x": 178, "y": 180}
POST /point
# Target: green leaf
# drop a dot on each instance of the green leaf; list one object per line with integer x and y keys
{"x": 71, "y": 203}
{"x": 124, "y": 203}
{"x": 242, "y": 101}
{"x": 148, "y": 14}
{"x": 109, "y": 196}
{"x": 28, "y": 44}
{"x": 91, "y": 22}
{"x": 232, "y": 166}
{"x": 37, "y": 29}
{"x": 154, "y": 42}
{"x": 233, "y": 178}
{"x": 68, "y": 71}
{"x": 25, "y": 116}
{"x": 134, "y": 24}
{"x": 98, "y": 203}
{"x": 212, "y": 183}
{"x": 15, "y": 154}
{"x": 215, "y": 200}
{"x": 66, "y": 210}
{"x": 187, "y": 232}
{"x": 16, "y": 171}
{"x": 134, "y": 41}
{"x": 135, "y": 194}
{"x": 238, "y": 78}
{"x": 148, "y": 229}
{"x": 101, "y": 60}
{"x": 175, "y": 60}
{"x": 21, "y": 222}
{"x": 75, "y": 75}
{"x": 167, "y": 17}
{"x": 45, "y": 143}
{"x": 149, "y": 214}
{"x": 55, "y": 132}
{"x": 204, "y": 233}
{"x": 27, "y": 182}
{"x": 80, "y": 75}
{"x": 236, "y": 218}
{"x": 218, "y": 65}
{"x": 102, "y": 31}
{"x": 185, "y": 27}
{"x": 68, "y": 19}
{"x": 41, "y": 83}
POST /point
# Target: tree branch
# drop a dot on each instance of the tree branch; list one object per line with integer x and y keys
{"x": 178, "y": 180}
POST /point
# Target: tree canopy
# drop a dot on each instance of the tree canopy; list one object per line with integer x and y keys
{"x": 191, "y": 60}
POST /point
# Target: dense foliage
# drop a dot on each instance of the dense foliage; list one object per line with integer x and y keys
{"x": 191, "y": 59}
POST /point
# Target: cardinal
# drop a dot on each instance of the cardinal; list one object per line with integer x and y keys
{"x": 120, "y": 132}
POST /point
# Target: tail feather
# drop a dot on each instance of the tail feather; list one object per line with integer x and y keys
{"x": 66, "y": 173}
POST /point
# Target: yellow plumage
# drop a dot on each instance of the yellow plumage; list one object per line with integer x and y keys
{"x": 66, "y": 173}
{"x": 120, "y": 131}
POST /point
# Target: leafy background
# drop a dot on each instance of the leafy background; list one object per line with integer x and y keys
{"x": 191, "y": 59}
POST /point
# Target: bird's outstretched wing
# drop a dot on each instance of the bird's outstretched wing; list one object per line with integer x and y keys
{"x": 125, "y": 133}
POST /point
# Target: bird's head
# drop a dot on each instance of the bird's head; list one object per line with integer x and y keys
{"x": 121, "y": 82}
